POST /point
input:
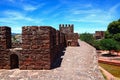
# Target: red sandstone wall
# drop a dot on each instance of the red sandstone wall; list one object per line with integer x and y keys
{"x": 72, "y": 39}
{"x": 4, "y": 59}
{"x": 5, "y": 44}
{"x": 5, "y": 37}
{"x": 41, "y": 47}
{"x": 38, "y": 45}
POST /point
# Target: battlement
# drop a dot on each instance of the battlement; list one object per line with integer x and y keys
{"x": 66, "y": 25}
{"x": 41, "y": 46}
{"x": 66, "y": 28}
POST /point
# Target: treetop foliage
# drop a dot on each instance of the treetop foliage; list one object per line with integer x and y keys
{"x": 87, "y": 37}
{"x": 114, "y": 27}
{"x": 111, "y": 41}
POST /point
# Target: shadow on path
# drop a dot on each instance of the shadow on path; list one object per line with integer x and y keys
{"x": 58, "y": 61}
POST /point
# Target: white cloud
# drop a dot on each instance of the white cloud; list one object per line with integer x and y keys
{"x": 29, "y": 7}
{"x": 90, "y": 11}
{"x": 88, "y": 14}
{"x": 52, "y": 9}
{"x": 75, "y": 4}
{"x": 89, "y": 20}
{"x": 100, "y": 18}
{"x": 16, "y": 20}
{"x": 15, "y": 17}
{"x": 94, "y": 15}
{"x": 114, "y": 8}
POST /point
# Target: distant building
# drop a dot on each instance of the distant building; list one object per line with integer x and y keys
{"x": 99, "y": 34}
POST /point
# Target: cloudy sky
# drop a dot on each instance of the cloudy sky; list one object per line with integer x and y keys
{"x": 86, "y": 15}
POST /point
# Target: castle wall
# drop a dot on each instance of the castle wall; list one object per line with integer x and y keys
{"x": 5, "y": 44}
{"x": 4, "y": 59}
{"x": 62, "y": 40}
{"x": 38, "y": 47}
{"x": 5, "y": 37}
{"x": 41, "y": 47}
{"x": 57, "y": 47}
{"x": 72, "y": 39}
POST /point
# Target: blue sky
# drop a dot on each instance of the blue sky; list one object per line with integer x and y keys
{"x": 86, "y": 15}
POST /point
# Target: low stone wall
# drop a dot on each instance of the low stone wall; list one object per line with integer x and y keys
{"x": 6, "y": 59}
{"x": 16, "y": 45}
{"x": 111, "y": 62}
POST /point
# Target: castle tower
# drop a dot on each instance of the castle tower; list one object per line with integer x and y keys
{"x": 66, "y": 28}
{"x": 5, "y": 37}
{"x": 5, "y": 45}
{"x": 38, "y": 45}
{"x": 71, "y": 38}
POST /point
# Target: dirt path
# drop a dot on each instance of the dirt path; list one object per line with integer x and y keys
{"x": 79, "y": 63}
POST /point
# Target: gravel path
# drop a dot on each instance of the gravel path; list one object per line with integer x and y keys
{"x": 79, "y": 63}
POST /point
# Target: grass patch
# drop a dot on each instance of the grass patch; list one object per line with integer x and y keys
{"x": 114, "y": 70}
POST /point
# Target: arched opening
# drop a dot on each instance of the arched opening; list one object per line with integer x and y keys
{"x": 69, "y": 43}
{"x": 14, "y": 61}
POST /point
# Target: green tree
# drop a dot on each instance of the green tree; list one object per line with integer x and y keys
{"x": 113, "y": 30}
{"x": 114, "y": 27}
{"x": 109, "y": 44}
{"x": 87, "y": 37}
{"x": 97, "y": 44}
{"x": 14, "y": 39}
{"x": 117, "y": 37}
{"x": 108, "y": 35}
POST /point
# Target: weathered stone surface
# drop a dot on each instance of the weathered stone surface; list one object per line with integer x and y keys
{"x": 39, "y": 42}
{"x": 5, "y": 37}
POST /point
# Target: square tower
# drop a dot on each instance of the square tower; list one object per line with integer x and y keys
{"x": 38, "y": 43}
{"x": 99, "y": 34}
{"x": 66, "y": 28}
{"x": 5, "y": 37}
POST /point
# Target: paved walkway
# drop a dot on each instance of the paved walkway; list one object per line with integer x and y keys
{"x": 79, "y": 63}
